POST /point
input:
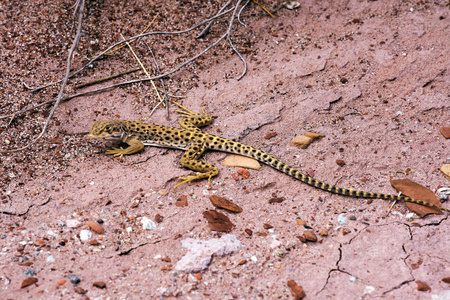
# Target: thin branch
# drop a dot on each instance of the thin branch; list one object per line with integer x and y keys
{"x": 160, "y": 80}
{"x": 79, "y": 9}
{"x": 240, "y": 11}
{"x": 133, "y": 38}
{"x": 231, "y": 43}
{"x": 67, "y": 98}
{"x": 81, "y": 85}
{"x": 206, "y": 29}
{"x": 208, "y": 21}
{"x": 143, "y": 68}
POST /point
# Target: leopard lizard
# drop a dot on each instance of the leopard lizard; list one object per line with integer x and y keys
{"x": 194, "y": 142}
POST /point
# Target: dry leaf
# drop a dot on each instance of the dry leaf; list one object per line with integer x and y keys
{"x": 303, "y": 141}
{"x": 276, "y": 200}
{"x": 224, "y": 203}
{"x": 241, "y": 161}
{"x": 182, "y": 201}
{"x": 94, "y": 226}
{"x": 163, "y": 192}
{"x": 99, "y": 284}
{"x": 445, "y": 169}
{"x": 218, "y": 221}
{"x": 445, "y": 131}
{"x": 296, "y": 290}
{"x": 416, "y": 191}
{"x": 422, "y": 286}
{"x": 270, "y": 135}
{"x": 28, "y": 281}
{"x": 244, "y": 173}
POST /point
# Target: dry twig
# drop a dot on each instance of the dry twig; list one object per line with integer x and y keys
{"x": 236, "y": 9}
{"x": 78, "y": 9}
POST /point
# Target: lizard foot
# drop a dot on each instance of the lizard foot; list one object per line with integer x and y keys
{"x": 116, "y": 152}
{"x": 192, "y": 178}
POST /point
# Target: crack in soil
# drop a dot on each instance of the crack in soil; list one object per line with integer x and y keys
{"x": 28, "y": 209}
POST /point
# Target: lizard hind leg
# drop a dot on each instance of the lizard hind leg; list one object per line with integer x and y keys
{"x": 190, "y": 161}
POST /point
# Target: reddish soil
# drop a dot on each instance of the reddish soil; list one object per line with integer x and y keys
{"x": 371, "y": 75}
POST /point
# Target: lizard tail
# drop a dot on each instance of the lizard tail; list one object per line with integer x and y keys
{"x": 280, "y": 166}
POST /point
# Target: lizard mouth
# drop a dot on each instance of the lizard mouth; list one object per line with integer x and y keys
{"x": 109, "y": 137}
{"x": 114, "y": 136}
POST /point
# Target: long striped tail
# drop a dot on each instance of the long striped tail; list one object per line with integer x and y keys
{"x": 280, "y": 166}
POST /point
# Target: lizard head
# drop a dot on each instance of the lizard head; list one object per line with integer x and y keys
{"x": 108, "y": 130}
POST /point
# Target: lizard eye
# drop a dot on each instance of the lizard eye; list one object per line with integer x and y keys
{"x": 108, "y": 128}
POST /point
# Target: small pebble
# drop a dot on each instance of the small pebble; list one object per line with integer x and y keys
{"x": 300, "y": 222}
{"x": 198, "y": 276}
{"x": 163, "y": 192}
{"x": 323, "y": 232}
{"x": 409, "y": 217}
{"x": 352, "y": 217}
{"x": 29, "y": 272}
{"x": 85, "y": 235}
{"x": 310, "y": 235}
{"x": 342, "y": 219}
{"x": 80, "y": 290}
{"x": 99, "y": 284}
{"x": 340, "y": 162}
{"x": 50, "y": 259}
{"x": 73, "y": 223}
{"x": 74, "y": 279}
{"x": 148, "y": 224}
{"x": 61, "y": 282}
{"x": 345, "y": 231}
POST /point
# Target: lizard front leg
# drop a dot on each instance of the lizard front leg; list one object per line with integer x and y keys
{"x": 189, "y": 160}
{"x": 134, "y": 147}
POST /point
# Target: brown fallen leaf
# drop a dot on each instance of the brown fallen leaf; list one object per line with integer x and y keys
{"x": 445, "y": 131}
{"x": 419, "y": 192}
{"x": 270, "y": 135}
{"x": 182, "y": 201}
{"x": 218, "y": 221}
{"x": 445, "y": 169}
{"x": 296, "y": 290}
{"x": 224, "y": 203}
{"x": 94, "y": 226}
{"x": 422, "y": 286}
{"x": 28, "y": 281}
{"x": 276, "y": 200}
{"x": 267, "y": 226}
{"x": 241, "y": 161}
{"x": 244, "y": 173}
{"x": 99, "y": 284}
{"x": 304, "y": 140}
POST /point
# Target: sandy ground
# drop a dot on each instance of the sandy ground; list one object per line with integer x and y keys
{"x": 370, "y": 75}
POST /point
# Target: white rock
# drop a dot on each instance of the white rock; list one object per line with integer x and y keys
{"x": 50, "y": 259}
{"x": 72, "y": 223}
{"x": 51, "y": 233}
{"x": 201, "y": 252}
{"x": 85, "y": 235}
{"x": 342, "y": 219}
{"x": 275, "y": 244}
{"x": 148, "y": 224}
